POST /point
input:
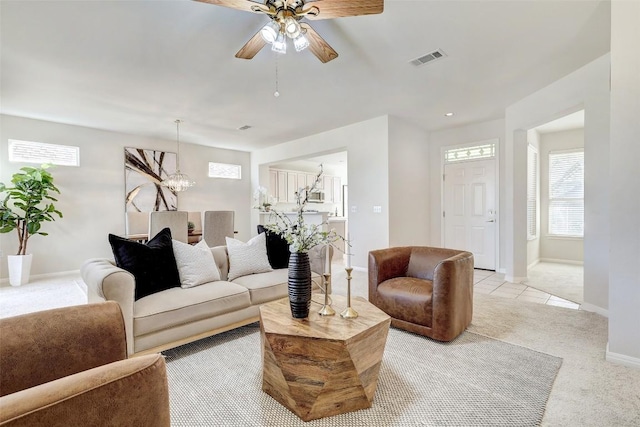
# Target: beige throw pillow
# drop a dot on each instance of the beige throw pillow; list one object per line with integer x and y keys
{"x": 247, "y": 258}
{"x": 196, "y": 264}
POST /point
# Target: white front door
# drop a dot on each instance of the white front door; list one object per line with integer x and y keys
{"x": 470, "y": 211}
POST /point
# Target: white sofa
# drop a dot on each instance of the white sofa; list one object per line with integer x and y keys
{"x": 177, "y": 316}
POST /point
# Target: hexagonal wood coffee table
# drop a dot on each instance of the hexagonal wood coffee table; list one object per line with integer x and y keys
{"x": 322, "y": 366}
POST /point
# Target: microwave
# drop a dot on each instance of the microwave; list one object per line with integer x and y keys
{"x": 316, "y": 197}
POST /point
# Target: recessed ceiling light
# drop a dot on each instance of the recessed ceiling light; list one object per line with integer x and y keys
{"x": 448, "y": 114}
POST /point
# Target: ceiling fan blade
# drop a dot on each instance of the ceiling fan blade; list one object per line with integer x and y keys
{"x": 341, "y": 8}
{"x": 318, "y": 46}
{"x": 235, "y": 4}
{"x": 252, "y": 47}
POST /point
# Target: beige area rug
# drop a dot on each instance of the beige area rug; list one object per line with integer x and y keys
{"x": 472, "y": 381}
{"x": 562, "y": 280}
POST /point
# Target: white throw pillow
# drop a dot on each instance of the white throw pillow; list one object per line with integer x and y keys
{"x": 196, "y": 264}
{"x": 247, "y": 258}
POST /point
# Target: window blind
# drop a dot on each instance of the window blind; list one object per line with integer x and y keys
{"x": 566, "y": 193}
{"x": 532, "y": 193}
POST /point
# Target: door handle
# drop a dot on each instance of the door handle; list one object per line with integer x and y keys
{"x": 491, "y": 220}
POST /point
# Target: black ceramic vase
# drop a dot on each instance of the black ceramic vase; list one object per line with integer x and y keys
{"x": 299, "y": 284}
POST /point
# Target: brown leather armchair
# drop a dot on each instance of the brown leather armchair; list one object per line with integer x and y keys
{"x": 428, "y": 291}
{"x": 69, "y": 367}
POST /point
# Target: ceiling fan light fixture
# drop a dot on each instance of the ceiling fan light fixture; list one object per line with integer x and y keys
{"x": 270, "y": 32}
{"x": 291, "y": 27}
{"x": 301, "y": 43}
{"x": 280, "y": 44}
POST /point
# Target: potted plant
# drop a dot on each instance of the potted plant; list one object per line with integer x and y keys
{"x": 262, "y": 199}
{"x": 25, "y": 207}
{"x": 190, "y": 227}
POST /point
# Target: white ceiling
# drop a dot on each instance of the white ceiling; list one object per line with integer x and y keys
{"x": 136, "y": 66}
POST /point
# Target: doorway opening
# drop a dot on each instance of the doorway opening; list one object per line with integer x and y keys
{"x": 555, "y": 207}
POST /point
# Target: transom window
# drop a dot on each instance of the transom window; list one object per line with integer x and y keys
{"x": 41, "y": 152}
{"x": 484, "y": 151}
{"x": 225, "y": 170}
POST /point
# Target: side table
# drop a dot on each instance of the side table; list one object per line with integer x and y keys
{"x": 322, "y": 365}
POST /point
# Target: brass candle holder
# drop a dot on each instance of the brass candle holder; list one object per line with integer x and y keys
{"x": 326, "y": 309}
{"x": 349, "y": 313}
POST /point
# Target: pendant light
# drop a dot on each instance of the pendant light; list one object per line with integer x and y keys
{"x": 178, "y": 181}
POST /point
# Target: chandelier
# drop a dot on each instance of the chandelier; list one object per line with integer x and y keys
{"x": 178, "y": 181}
{"x": 281, "y": 27}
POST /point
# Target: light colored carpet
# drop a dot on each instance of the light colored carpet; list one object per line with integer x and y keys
{"x": 562, "y": 280}
{"x": 471, "y": 381}
{"x": 42, "y": 294}
{"x": 588, "y": 391}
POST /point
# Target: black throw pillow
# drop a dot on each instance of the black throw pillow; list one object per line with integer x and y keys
{"x": 277, "y": 249}
{"x": 153, "y": 265}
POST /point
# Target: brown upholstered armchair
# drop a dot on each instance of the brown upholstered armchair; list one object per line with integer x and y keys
{"x": 69, "y": 367}
{"x": 425, "y": 290}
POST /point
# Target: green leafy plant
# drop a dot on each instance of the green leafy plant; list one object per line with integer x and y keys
{"x": 27, "y": 204}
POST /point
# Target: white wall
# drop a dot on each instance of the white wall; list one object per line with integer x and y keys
{"x": 476, "y": 132}
{"x": 92, "y": 195}
{"x": 409, "y": 197}
{"x": 588, "y": 88}
{"x": 553, "y": 248}
{"x": 367, "y": 147}
{"x": 624, "y": 272}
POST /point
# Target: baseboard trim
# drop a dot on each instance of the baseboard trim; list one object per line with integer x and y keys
{"x": 585, "y": 306}
{"x": 514, "y": 279}
{"x": 622, "y": 359}
{"x": 45, "y": 276}
{"x": 533, "y": 264}
{"x": 561, "y": 261}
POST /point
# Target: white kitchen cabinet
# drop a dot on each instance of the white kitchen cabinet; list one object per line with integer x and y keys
{"x": 282, "y": 186}
{"x": 337, "y": 189}
{"x": 292, "y": 186}
{"x": 311, "y": 178}
{"x": 273, "y": 184}
{"x": 327, "y": 185}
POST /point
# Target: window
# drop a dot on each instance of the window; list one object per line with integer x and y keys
{"x": 566, "y": 193}
{"x": 532, "y": 193}
{"x": 485, "y": 151}
{"x": 40, "y": 152}
{"x": 225, "y": 170}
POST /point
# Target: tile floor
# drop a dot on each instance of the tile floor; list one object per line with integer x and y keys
{"x": 490, "y": 282}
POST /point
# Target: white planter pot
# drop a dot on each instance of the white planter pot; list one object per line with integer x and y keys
{"x": 19, "y": 269}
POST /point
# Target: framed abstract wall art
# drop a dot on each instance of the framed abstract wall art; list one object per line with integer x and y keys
{"x": 144, "y": 172}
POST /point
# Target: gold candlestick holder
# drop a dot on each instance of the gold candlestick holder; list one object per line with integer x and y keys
{"x": 326, "y": 309}
{"x": 349, "y": 313}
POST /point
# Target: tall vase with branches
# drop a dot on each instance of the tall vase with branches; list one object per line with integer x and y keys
{"x": 301, "y": 237}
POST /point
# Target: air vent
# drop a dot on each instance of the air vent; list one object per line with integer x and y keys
{"x": 429, "y": 57}
{"x": 245, "y": 127}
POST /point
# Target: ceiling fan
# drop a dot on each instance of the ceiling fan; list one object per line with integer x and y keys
{"x": 285, "y": 17}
